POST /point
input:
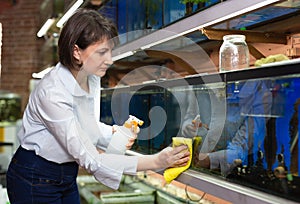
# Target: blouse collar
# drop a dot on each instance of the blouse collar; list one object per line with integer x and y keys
{"x": 72, "y": 85}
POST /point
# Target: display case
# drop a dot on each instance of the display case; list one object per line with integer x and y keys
{"x": 248, "y": 124}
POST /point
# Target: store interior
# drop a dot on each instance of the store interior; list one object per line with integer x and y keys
{"x": 166, "y": 50}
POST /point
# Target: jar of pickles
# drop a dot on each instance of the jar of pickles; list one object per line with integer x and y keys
{"x": 234, "y": 53}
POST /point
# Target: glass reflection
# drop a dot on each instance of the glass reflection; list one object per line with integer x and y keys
{"x": 248, "y": 129}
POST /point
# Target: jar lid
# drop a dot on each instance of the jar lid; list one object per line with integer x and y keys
{"x": 234, "y": 36}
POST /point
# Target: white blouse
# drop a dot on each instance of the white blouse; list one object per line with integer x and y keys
{"x": 61, "y": 124}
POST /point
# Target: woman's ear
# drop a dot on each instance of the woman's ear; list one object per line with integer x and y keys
{"x": 76, "y": 53}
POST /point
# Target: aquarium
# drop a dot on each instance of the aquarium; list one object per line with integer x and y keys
{"x": 248, "y": 122}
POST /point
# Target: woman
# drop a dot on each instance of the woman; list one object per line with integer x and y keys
{"x": 61, "y": 129}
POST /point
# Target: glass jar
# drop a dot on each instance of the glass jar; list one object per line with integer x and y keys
{"x": 234, "y": 53}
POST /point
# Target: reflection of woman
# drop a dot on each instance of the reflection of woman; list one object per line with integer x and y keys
{"x": 248, "y": 107}
{"x": 61, "y": 126}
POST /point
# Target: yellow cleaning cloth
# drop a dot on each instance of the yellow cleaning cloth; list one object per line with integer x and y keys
{"x": 172, "y": 173}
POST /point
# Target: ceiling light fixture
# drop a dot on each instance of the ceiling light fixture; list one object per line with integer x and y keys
{"x": 69, "y": 13}
{"x": 42, "y": 73}
{"x": 121, "y": 56}
{"x": 45, "y": 27}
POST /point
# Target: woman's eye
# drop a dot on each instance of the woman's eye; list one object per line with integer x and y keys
{"x": 101, "y": 53}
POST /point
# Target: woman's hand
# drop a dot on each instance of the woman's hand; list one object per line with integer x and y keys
{"x": 131, "y": 141}
{"x": 173, "y": 157}
{"x": 168, "y": 157}
{"x": 189, "y": 131}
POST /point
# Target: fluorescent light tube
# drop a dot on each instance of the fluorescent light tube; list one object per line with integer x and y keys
{"x": 69, "y": 13}
{"x": 121, "y": 56}
{"x": 45, "y": 27}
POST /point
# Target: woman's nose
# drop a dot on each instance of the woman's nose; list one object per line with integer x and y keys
{"x": 108, "y": 61}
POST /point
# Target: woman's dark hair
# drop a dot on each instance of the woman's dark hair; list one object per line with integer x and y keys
{"x": 84, "y": 28}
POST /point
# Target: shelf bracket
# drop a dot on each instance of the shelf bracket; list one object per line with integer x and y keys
{"x": 251, "y": 36}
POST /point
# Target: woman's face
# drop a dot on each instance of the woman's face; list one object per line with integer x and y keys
{"x": 97, "y": 58}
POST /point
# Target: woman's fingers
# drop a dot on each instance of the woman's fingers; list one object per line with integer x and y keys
{"x": 179, "y": 156}
{"x": 181, "y": 148}
{"x": 182, "y": 158}
{"x": 131, "y": 141}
